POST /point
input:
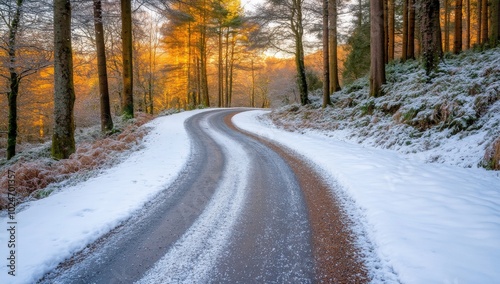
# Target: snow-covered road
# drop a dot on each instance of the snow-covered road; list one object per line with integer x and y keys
{"x": 425, "y": 223}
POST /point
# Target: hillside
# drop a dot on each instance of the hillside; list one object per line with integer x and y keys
{"x": 450, "y": 117}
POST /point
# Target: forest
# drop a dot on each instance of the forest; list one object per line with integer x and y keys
{"x": 74, "y": 64}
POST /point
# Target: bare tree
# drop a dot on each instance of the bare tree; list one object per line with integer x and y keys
{"x": 128, "y": 82}
{"x": 106, "y": 119}
{"x": 326, "y": 61}
{"x": 63, "y": 139}
{"x": 332, "y": 46}
{"x": 288, "y": 15}
{"x": 24, "y": 57}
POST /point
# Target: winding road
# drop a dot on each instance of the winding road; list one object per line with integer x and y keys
{"x": 244, "y": 210}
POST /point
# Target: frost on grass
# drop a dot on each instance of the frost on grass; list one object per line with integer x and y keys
{"x": 36, "y": 170}
{"x": 451, "y": 116}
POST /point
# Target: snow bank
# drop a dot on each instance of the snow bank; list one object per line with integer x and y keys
{"x": 429, "y": 223}
{"x": 52, "y": 229}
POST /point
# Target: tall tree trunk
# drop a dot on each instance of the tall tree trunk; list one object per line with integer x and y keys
{"x": 205, "y": 97}
{"x": 386, "y": 31}
{"x": 298, "y": 30}
{"x": 479, "y": 20}
{"x": 484, "y": 22}
{"x": 252, "y": 93}
{"x": 411, "y": 30}
{"x": 457, "y": 44}
{"x": 220, "y": 72}
{"x": 446, "y": 25}
{"x": 377, "y": 48}
{"x": 494, "y": 23}
{"x": 190, "y": 93}
{"x": 467, "y": 24}
{"x": 430, "y": 28}
{"x": 226, "y": 67}
{"x": 332, "y": 46}
{"x": 405, "y": 30}
{"x": 106, "y": 119}
{"x": 390, "y": 23}
{"x": 231, "y": 70}
{"x": 63, "y": 139}
{"x": 14, "y": 80}
{"x": 128, "y": 79}
{"x": 326, "y": 61}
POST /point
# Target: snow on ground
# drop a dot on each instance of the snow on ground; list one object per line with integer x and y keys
{"x": 52, "y": 229}
{"x": 428, "y": 223}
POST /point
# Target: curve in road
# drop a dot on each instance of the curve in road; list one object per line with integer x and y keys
{"x": 237, "y": 213}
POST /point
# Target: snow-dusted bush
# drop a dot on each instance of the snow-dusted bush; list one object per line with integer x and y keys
{"x": 91, "y": 154}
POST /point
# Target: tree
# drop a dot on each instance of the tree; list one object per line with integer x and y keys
{"x": 128, "y": 82}
{"x": 447, "y": 25}
{"x": 410, "y": 51}
{"x": 332, "y": 46}
{"x": 430, "y": 30}
{"x": 14, "y": 80}
{"x": 377, "y": 67}
{"x": 467, "y": 24}
{"x": 357, "y": 63}
{"x": 390, "y": 29}
{"x": 457, "y": 44}
{"x": 106, "y": 119}
{"x": 484, "y": 22}
{"x": 494, "y": 18}
{"x": 298, "y": 31}
{"x": 283, "y": 20}
{"x": 326, "y": 60}
{"x": 63, "y": 139}
{"x": 405, "y": 30}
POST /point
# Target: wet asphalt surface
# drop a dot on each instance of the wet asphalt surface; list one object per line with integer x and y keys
{"x": 270, "y": 241}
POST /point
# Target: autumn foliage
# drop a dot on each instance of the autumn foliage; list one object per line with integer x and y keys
{"x": 35, "y": 175}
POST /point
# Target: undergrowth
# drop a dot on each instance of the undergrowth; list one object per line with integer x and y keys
{"x": 35, "y": 170}
{"x": 451, "y": 115}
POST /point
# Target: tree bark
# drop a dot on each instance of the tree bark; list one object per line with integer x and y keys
{"x": 220, "y": 72}
{"x": 298, "y": 31}
{"x": 484, "y": 22}
{"x": 479, "y": 21}
{"x": 377, "y": 48}
{"x": 128, "y": 82}
{"x": 446, "y": 25}
{"x": 63, "y": 139}
{"x": 457, "y": 44}
{"x": 332, "y": 46}
{"x": 386, "y": 31}
{"x": 430, "y": 29}
{"x": 411, "y": 30}
{"x": 494, "y": 23}
{"x": 467, "y": 24}
{"x": 405, "y": 31}
{"x": 390, "y": 23}
{"x": 326, "y": 60}
{"x": 14, "y": 80}
{"x": 106, "y": 119}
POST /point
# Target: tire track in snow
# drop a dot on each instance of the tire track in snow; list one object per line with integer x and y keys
{"x": 192, "y": 258}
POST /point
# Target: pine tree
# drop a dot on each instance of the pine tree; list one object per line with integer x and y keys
{"x": 377, "y": 48}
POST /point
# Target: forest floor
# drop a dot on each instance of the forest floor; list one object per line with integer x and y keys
{"x": 451, "y": 116}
